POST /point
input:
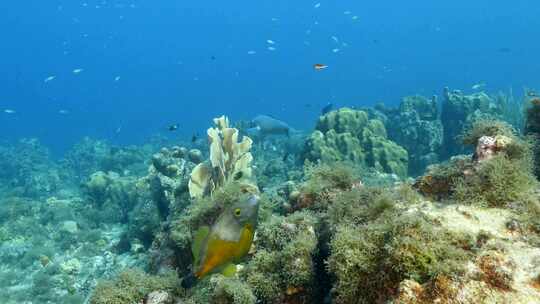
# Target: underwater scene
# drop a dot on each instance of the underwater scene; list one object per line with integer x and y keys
{"x": 191, "y": 152}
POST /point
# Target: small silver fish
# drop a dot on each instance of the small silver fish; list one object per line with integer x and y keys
{"x": 478, "y": 86}
{"x": 9, "y": 111}
{"x": 271, "y": 48}
{"x": 77, "y": 71}
{"x": 50, "y": 78}
{"x": 270, "y": 41}
{"x": 317, "y": 5}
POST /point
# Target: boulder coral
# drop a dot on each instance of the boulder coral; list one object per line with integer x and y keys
{"x": 349, "y": 135}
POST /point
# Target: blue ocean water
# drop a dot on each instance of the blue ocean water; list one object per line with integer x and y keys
{"x": 143, "y": 65}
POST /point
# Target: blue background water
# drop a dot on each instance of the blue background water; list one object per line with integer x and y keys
{"x": 187, "y": 61}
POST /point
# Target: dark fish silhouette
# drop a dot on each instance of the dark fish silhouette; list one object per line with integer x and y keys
{"x": 266, "y": 125}
{"x": 329, "y": 107}
{"x": 173, "y": 127}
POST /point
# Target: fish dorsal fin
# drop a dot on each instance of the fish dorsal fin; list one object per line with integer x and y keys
{"x": 198, "y": 240}
{"x": 229, "y": 270}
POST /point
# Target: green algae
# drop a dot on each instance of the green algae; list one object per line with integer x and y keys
{"x": 496, "y": 183}
{"x": 283, "y": 266}
{"x": 221, "y": 290}
{"x": 369, "y": 261}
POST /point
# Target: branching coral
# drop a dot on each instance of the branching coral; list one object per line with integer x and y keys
{"x": 229, "y": 160}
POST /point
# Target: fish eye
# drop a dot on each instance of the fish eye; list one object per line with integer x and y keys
{"x": 237, "y": 212}
{"x": 238, "y": 175}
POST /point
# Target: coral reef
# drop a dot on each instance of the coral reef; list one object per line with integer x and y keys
{"x": 349, "y": 135}
{"x": 27, "y": 169}
{"x": 337, "y": 220}
{"x": 458, "y": 111}
{"x": 168, "y": 178}
{"x": 112, "y": 196}
{"x": 415, "y": 125}
{"x": 89, "y": 156}
{"x": 532, "y": 129}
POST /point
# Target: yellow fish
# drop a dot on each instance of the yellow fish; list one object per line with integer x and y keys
{"x": 229, "y": 239}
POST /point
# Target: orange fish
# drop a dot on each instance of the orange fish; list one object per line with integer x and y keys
{"x": 318, "y": 66}
{"x": 229, "y": 239}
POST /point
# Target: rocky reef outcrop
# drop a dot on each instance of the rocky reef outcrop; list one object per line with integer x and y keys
{"x": 90, "y": 155}
{"x": 416, "y": 126}
{"x": 458, "y": 112}
{"x": 27, "y": 169}
{"x": 350, "y": 135}
{"x": 532, "y": 129}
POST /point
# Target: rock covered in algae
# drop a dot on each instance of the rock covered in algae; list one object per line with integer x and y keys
{"x": 283, "y": 266}
{"x": 415, "y": 125}
{"x": 499, "y": 173}
{"x": 168, "y": 177}
{"x": 112, "y": 195}
{"x": 349, "y": 135}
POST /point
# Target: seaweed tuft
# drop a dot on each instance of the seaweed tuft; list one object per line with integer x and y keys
{"x": 132, "y": 285}
{"x": 370, "y": 261}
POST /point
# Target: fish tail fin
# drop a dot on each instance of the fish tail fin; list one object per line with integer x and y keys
{"x": 189, "y": 281}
